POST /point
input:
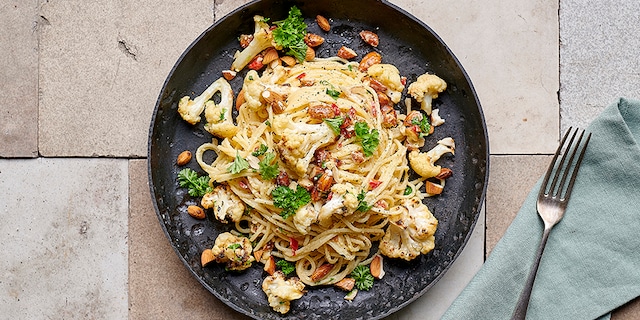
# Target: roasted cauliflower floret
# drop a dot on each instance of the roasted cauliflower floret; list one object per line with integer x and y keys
{"x": 262, "y": 39}
{"x": 344, "y": 201}
{"x": 424, "y": 163}
{"x": 388, "y": 75}
{"x": 280, "y": 291}
{"x": 425, "y": 89}
{"x": 297, "y": 141}
{"x": 304, "y": 217}
{"x": 226, "y": 204}
{"x": 219, "y": 119}
{"x": 411, "y": 231}
{"x": 190, "y": 110}
{"x": 233, "y": 250}
{"x": 252, "y": 88}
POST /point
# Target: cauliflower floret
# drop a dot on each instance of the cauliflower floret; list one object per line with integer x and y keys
{"x": 388, "y": 75}
{"x": 343, "y": 201}
{"x": 262, "y": 39}
{"x": 225, "y": 204}
{"x": 190, "y": 110}
{"x": 299, "y": 141}
{"x": 280, "y": 291}
{"x": 425, "y": 89}
{"x": 411, "y": 231}
{"x": 252, "y": 89}
{"x": 304, "y": 217}
{"x": 233, "y": 250}
{"x": 219, "y": 119}
{"x": 424, "y": 163}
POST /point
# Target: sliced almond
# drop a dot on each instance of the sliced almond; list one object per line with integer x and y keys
{"x": 346, "y": 53}
{"x": 258, "y": 254}
{"x": 321, "y": 272}
{"x": 444, "y": 173}
{"x": 311, "y": 54}
{"x": 323, "y": 23}
{"x": 196, "y": 212}
{"x": 377, "y": 268}
{"x": 240, "y": 99}
{"x": 370, "y": 37}
{"x": 229, "y": 74}
{"x": 274, "y": 99}
{"x": 313, "y": 40}
{"x": 207, "y": 257}
{"x": 270, "y": 265}
{"x": 289, "y": 60}
{"x": 269, "y": 55}
{"x": 346, "y": 284}
{"x": 433, "y": 188}
{"x": 183, "y": 158}
{"x": 368, "y": 60}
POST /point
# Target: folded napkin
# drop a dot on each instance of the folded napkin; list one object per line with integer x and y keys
{"x": 591, "y": 264}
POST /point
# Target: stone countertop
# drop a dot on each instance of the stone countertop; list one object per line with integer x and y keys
{"x": 79, "y": 81}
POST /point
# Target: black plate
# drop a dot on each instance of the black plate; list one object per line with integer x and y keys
{"x": 405, "y": 42}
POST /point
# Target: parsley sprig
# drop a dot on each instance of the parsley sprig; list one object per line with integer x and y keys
{"x": 424, "y": 125}
{"x": 289, "y": 200}
{"x": 268, "y": 169}
{"x": 363, "y": 277}
{"x": 290, "y": 33}
{"x": 334, "y": 124}
{"x": 238, "y": 164}
{"x": 198, "y": 185}
{"x": 286, "y": 266}
{"x": 368, "y": 139}
{"x": 363, "y": 206}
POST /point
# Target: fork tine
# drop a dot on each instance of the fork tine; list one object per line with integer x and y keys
{"x": 543, "y": 187}
{"x": 552, "y": 190}
{"x": 574, "y": 173}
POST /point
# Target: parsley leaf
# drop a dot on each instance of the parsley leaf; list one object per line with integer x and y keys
{"x": 198, "y": 186}
{"x": 333, "y": 93}
{"x": 368, "y": 139}
{"x": 238, "y": 164}
{"x": 222, "y": 114}
{"x": 290, "y": 34}
{"x": 363, "y": 206}
{"x": 424, "y": 125}
{"x": 267, "y": 170}
{"x": 234, "y": 246}
{"x": 363, "y": 277}
{"x": 260, "y": 151}
{"x": 289, "y": 200}
{"x": 334, "y": 124}
{"x": 286, "y": 266}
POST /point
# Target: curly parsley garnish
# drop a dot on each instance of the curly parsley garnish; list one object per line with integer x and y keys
{"x": 368, "y": 139}
{"x": 290, "y": 34}
{"x": 198, "y": 186}
{"x": 268, "y": 170}
{"x": 239, "y": 164}
{"x": 424, "y": 125}
{"x": 286, "y": 266}
{"x": 363, "y": 277}
{"x": 334, "y": 124}
{"x": 289, "y": 200}
{"x": 363, "y": 206}
{"x": 260, "y": 151}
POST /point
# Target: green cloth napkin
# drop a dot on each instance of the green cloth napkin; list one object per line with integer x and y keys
{"x": 591, "y": 264}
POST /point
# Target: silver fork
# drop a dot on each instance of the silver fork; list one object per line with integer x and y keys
{"x": 552, "y": 202}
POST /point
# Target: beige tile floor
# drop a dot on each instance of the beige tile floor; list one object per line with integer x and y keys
{"x": 78, "y": 84}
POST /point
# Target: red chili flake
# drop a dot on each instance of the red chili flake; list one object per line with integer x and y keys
{"x": 243, "y": 184}
{"x": 293, "y": 244}
{"x": 403, "y": 80}
{"x": 302, "y": 75}
{"x": 335, "y": 109}
{"x": 374, "y": 184}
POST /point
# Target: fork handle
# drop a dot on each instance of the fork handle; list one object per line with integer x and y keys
{"x": 523, "y": 302}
